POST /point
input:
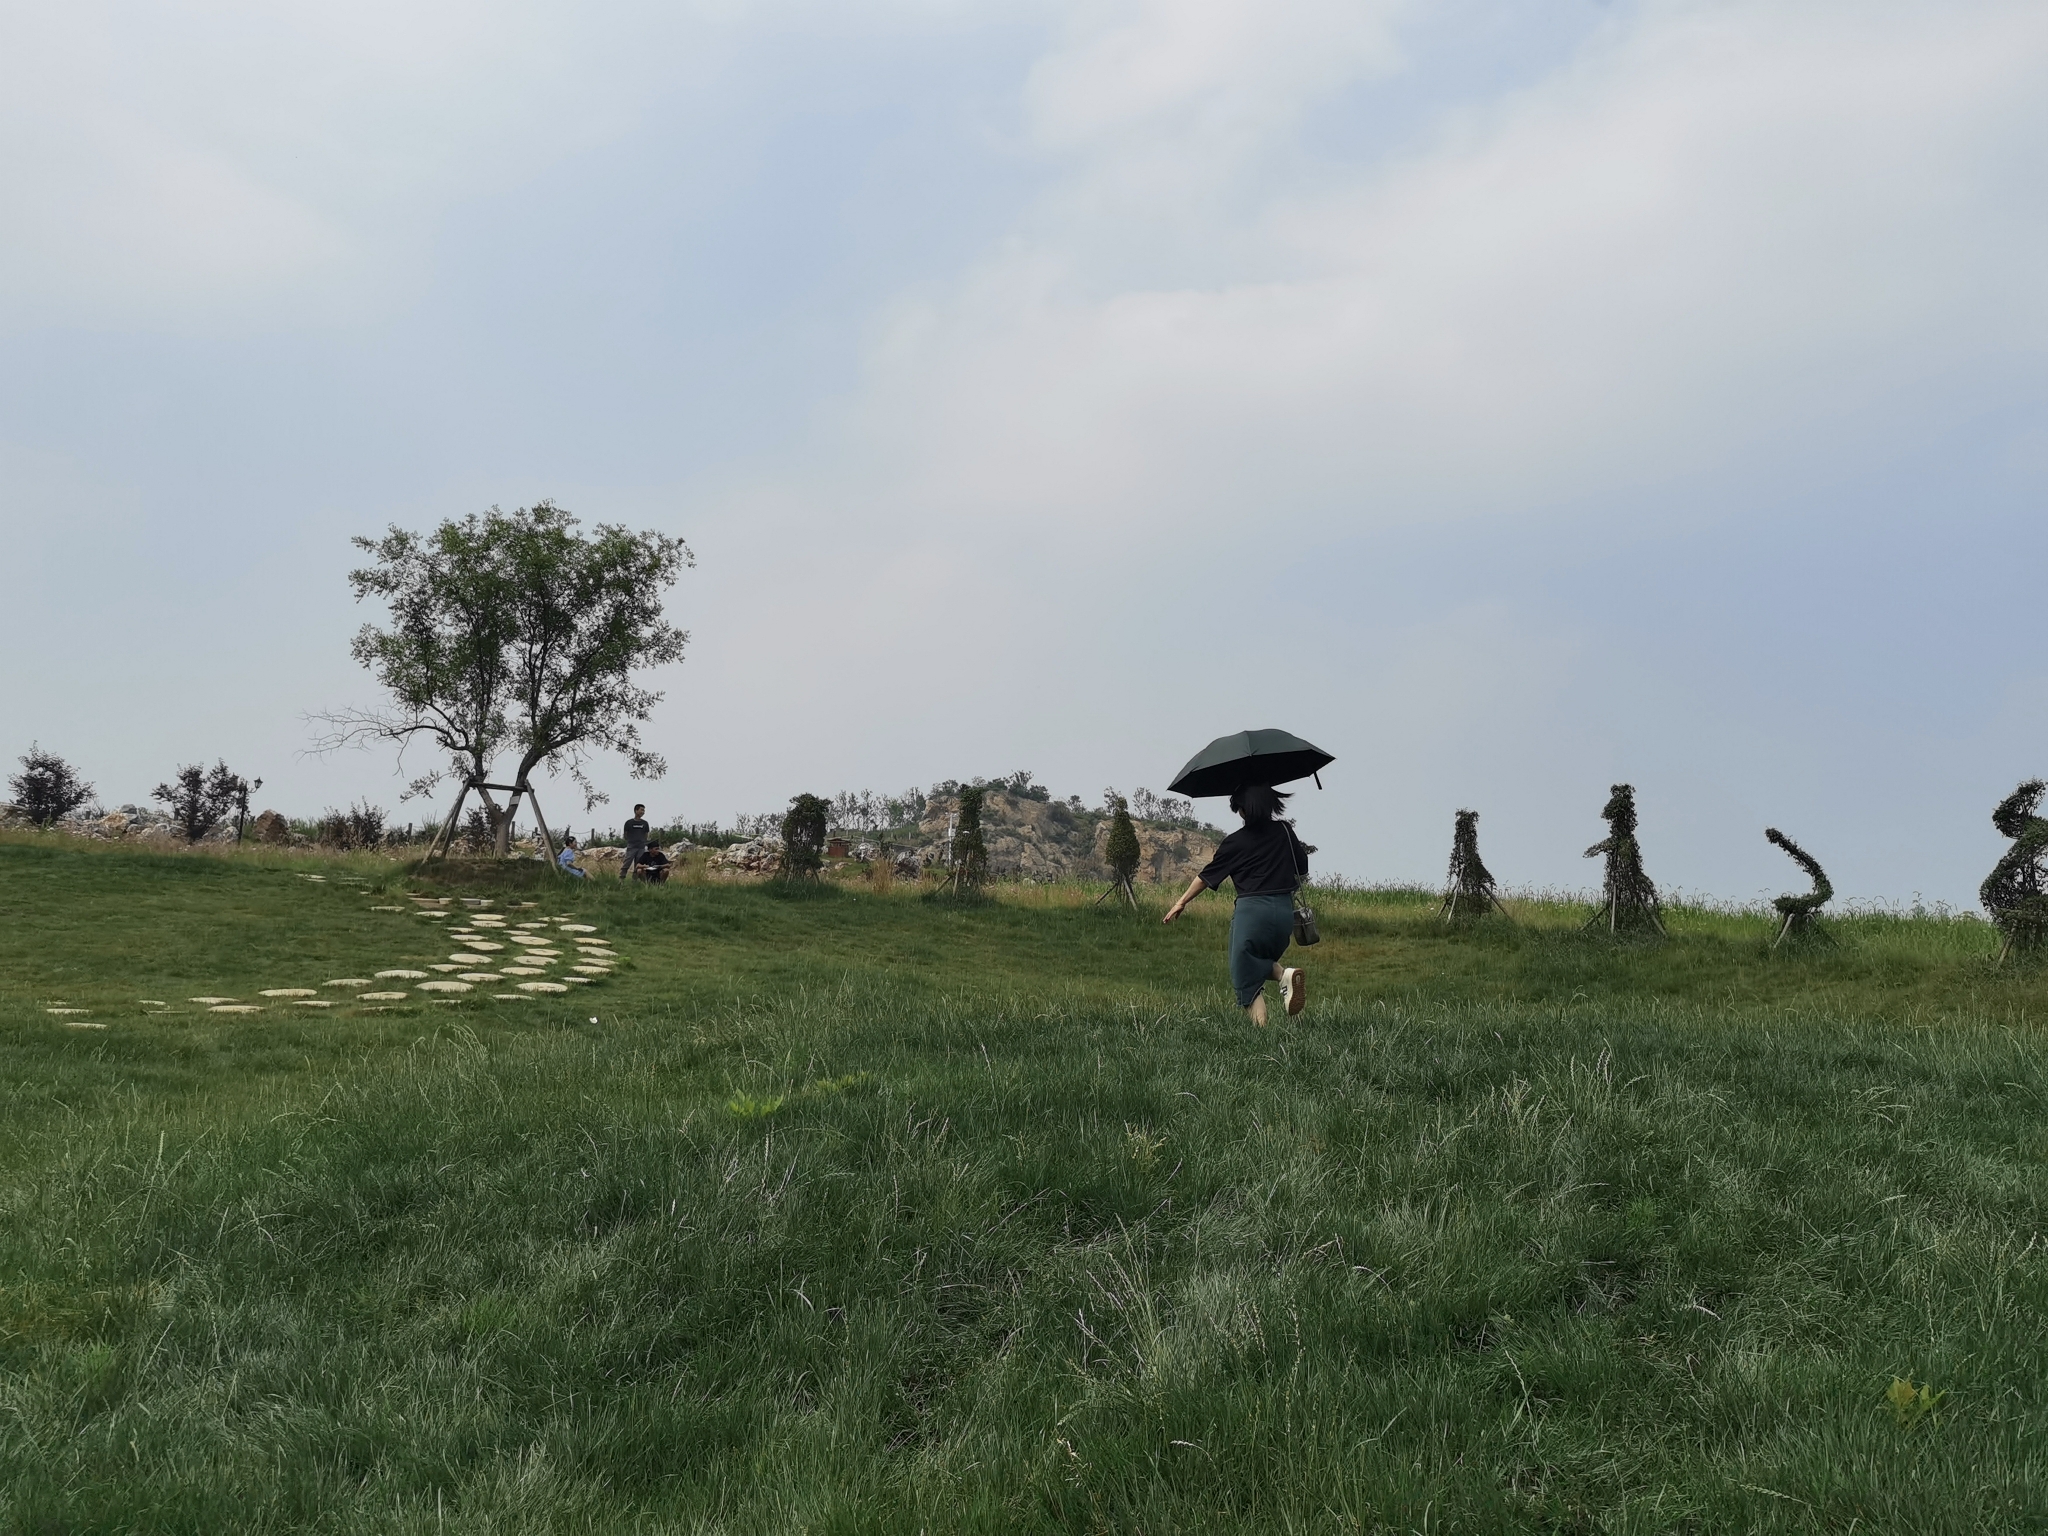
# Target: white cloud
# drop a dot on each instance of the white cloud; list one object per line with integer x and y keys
{"x": 223, "y": 163}
{"x": 1721, "y": 224}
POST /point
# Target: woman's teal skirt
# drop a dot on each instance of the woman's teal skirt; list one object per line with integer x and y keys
{"x": 1261, "y": 928}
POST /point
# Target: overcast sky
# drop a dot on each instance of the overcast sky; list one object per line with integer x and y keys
{"x": 1511, "y": 396}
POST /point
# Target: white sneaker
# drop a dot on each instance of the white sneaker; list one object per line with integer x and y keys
{"x": 1293, "y": 989}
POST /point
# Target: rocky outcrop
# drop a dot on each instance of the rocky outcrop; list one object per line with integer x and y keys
{"x": 130, "y": 824}
{"x": 762, "y": 856}
{"x": 1042, "y": 840}
{"x": 270, "y": 828}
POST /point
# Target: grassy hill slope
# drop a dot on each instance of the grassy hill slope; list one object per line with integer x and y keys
{"x": 843, "y": 1211}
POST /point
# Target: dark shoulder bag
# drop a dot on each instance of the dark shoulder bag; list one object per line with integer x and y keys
{"x": 1305, "y": 930}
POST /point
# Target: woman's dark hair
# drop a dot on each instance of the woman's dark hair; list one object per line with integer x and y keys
{"x": 1258, "y": 803}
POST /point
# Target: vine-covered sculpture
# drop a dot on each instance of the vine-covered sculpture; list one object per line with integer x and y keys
{"x": 1631, "y": 904}
{"x": 2015, "y": 893}
{"x": 1798, "y": 911}
{"x": 1121, "y": 851}
{"x": 803, "y": 837}
{"x": 1470, "y": 892}
{"x": 970, "y": 852}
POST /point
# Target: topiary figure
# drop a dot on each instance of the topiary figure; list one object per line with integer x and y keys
{"x": 2015, "y": 893}
{"x": 803, "y": 837}
{"x": 1470, "y": 893}
{"x": 970, "y": 853}
{"x": 1798, "y": 911}
{"x": 1121, "y": 853}
{"x": 1630, "y": 903}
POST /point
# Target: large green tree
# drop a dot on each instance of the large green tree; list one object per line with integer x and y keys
{"x": 516, "y": 633}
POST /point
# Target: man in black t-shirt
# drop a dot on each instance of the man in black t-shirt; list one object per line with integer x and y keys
{"x": 636, "y": 841}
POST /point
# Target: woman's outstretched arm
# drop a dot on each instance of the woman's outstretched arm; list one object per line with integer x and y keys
{"x": 1195, "y": 888}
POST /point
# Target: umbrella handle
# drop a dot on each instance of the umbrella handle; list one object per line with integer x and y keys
{"x": 1319, "y": 780}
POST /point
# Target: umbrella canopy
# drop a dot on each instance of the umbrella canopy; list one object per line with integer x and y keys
{"x": 1249, "y": 757}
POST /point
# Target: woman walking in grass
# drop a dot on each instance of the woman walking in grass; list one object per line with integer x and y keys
{"x": 1266, "y": 863}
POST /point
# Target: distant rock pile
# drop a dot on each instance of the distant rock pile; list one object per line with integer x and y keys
{"x": 131, "y": 823}
{"x": 1040, "y": 840}
{"x": 1027, "y": 839}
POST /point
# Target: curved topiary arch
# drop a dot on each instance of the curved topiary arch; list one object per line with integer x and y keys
{"x": 1798, "y": 911}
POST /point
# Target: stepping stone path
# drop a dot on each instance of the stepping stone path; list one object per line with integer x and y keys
{"x": 537, "y": 949}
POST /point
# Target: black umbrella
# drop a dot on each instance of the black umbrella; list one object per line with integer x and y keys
{"x": 1249, "y": 757}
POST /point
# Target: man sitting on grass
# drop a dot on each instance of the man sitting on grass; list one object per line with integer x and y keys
{"x": 653, "y": 864}
{"x": 566, "y": 859}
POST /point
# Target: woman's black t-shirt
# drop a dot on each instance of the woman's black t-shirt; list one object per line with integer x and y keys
{"x": 1261, "y": 859}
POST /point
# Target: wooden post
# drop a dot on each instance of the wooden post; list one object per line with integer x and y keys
{"x": 447, "y": 832}
{"x": 547, "y": 839}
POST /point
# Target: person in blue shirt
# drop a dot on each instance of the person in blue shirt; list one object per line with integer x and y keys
{"x": 566, "y": 859}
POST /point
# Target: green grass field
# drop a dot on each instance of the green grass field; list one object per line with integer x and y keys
{"x": 839, "y": 1210}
